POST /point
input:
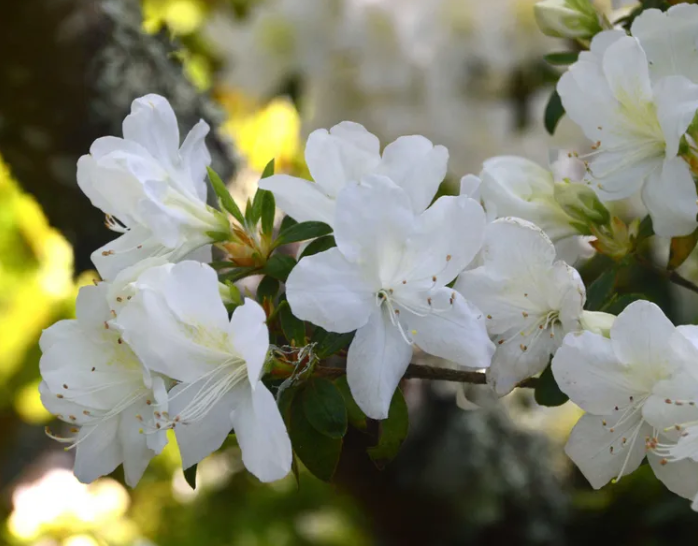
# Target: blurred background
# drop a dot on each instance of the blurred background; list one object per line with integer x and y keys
{"x": 467, "y": 74}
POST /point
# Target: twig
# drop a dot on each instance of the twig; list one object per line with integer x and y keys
{"x": 668, "y": 274}
{"x": 418, "y": 371}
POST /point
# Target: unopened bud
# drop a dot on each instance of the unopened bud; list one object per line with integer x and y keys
{"x": 597, "y": 322}
{"x": 581, "y": 203}
{"x": 567, "y": 18}
{"x": 616, "y": 240}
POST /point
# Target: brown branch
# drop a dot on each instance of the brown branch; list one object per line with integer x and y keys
{"x": 418, "y": 371}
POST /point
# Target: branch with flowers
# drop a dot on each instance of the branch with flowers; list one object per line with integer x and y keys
{"x": 169, "y": 338}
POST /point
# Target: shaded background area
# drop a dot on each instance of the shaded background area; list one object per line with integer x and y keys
{"x": 466, "y": 74}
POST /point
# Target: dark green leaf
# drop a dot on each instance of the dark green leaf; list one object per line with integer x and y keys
{"x": 356, "y": 417}
{"x": 619, "y": 303}
{"x": 268, "y": 212}
{"x": 250, "y": 213}
{"x": 284, "y": 401}
{"x": 319, "y": 453}
{"x": 258, "y": 206}
{"x": 547, "y": 392}
{"x": 319, "y": 245}
{"x": 294, "y": 328}
{"x": 553, "y": 112}
{"x": 681, "y": 248}
{"x": 646, "y": 228}
{"x": 221, "y": 265}
{"x": 561, "y": 58}
{"x": 393, "y": 432}
{"x": 279, "y": 266}
{"x": 601, "y": 290}
{"x": 226, "y": 200}
{"x": 303, "y": 232}
{"x": 237, "y": 273}
{"x": 324, "y": 407}
{"x": 268, "y": 169}
{"x": 329, "y": 343}
{"x": 190, "y": 476}
{"x": 286, "y": 223}
{"x": 267, "y": 289}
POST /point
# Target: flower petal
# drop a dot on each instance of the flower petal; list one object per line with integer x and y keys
{"x": 133, "y": 443}
{"x": 676, "y": 98}
{"x": 195, "y": 157}
{"x": 248, "y": 329}
{"x": 517, "y": 360}
{"x": 417, "y": 166}
{"x": 601, "y": 454}
{"x": 679, "y": 477}
{"x": 302, "y": 200}
{"x": 670, "y": 197}
{"x": 152, "y": 124}
{"x": 99, "y": 452}
{"x": 377, "y": 360}
{"x": 341, "y": 155}
{"x": 261, "y": 434}
{"x": 625, "y": 66}
{"x": 125, "y": 251}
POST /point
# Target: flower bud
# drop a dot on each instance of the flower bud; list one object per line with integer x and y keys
{"x": 597, "y": 322}
{"x": 567, "y": 18}
{"x": 615, "y": 239}
{"x": 581, "y": 203}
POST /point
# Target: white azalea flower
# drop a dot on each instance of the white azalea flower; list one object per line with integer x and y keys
{"x": 178, "y": 325}
{"x": 530, "y": 300}
{"x": 151, "y": 189}
{"x": 94, "y": 381}
{"x": 387, "y": 279}
{"x": 614, "y": 380}
{"x": 636, "y": 125}
{"x": 346, "y": 153}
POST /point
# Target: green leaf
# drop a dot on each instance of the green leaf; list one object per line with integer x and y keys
{"x": 393, "y": 432}
{"x": 268, "y": 169}
{"x": 319, "y": 245}
{"x": 324, "y": 407}
{"x": 329, "y": 343}
{"x": 226, "y": 200}
{"x": 562, "y": 58}
{"x": 279, "y": 266}
{"x": 267, "y": 289}
{"x": 619, "y": 303}
{"x": 302, "y": 232}
{"x": 190, "y": 476}
{"x": 319, "y": 453}
{"x": 286, "y": 223}
{"x": 257, "y": 206}
{"x": 601, "y": 290}
{"x": 646, "y": 228}
{"x": 547, "y": 392}
{"x": 294, "y": 328}
{"x": 553, "y": 112}
{"x": 355, "y": 416}
{"x": 268, "y": 212}
{"x": 681, "y": 248}
{"x": 237, "y": 273}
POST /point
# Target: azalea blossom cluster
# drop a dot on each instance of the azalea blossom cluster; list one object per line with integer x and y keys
{"x": 482, "y": 279}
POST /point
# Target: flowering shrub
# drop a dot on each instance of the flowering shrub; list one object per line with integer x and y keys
{"x": 168, "y": 341}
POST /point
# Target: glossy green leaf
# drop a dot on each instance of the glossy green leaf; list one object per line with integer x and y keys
{"x": 286, "y": 223}
{"x": 319, "y": 245}
{"x": 324, "y": 407}
{"x": 268, "y": 212}
{"x": 267, "y": 289}
{"x": 293, "y": 327}
{"x": 547, "y": 392}
{"x": 393, "y": 432}
{"x": 355, "y": 416}
{"x": 329, "y": 343}
{"x": 237, "y": 273}
{"x": 190, "y": 476}
{"x": 279, "y": 266}
{"x": 226, "y": 200}
{"x": 618, "y": 303}
{"x": 553, "y": 112}
{"x": 302, "y": 232}
{"x": 601, "y": 290}
{"x": 268, "y": 169}
{"x": 562, "y": 58}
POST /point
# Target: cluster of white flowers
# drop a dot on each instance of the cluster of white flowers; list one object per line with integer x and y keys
{"x": 154, "y": 347}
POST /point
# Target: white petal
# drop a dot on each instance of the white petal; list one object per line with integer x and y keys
{"x": 152, "y": 124}
{"x": 377, "y": 360}
{"x": 587, "y": 370}
{"x": 641, "y": 337}
{"x": 198, "y": 440}
{"x": 417, "y": 166}
{"x": 133, "y": 442}
{"x": 512, "y": 364}
{"x": 444, "y": 240}
{"x": 92, "y": 307}
{"x": 669, "y": 40}
{"x": 677, "y": 101}
{"x": 590, "y": 445}
{"x": 99, "y": 452}
{"x": 195, "y": 158}
{"x": 458, "y": 334}
{"x": 679, "y": 477}
{"x": 670, "y": 197}
{"x": 470, "y": 186}
{"x": 60, "y": 406}
{"x": 344, "y": 154}
{"x": 626, "y": 70}
{"x": 125, "y": 251}
{"x": 261, "y": 434}
{"x": 373, "y": 221}
{"x": 302, "y": 200}
{"x": 331, "y": 292}
{"x": 248, "y": 328}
